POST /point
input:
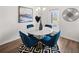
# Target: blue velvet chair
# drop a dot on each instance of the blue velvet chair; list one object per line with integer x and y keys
{"x": 47, "y": 25}
{"x": 50, "y": 40}
{"x": 29, "y": 26}
{"x": 28, "y": 41}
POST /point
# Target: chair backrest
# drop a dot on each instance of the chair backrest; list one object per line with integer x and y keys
{"x": 30, "y": 25}
{"x": 47, "y": 25}
{"x": 51, "y": 40}
{"x": 28, "y": 41}
{"x": 24, "y": 38}
{"x": 56, "y": 37}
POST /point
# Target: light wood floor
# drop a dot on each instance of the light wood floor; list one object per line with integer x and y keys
{"x": 68, "y": 46}
{"x": 65, "y": 46}
{"x": 10, "y": 47}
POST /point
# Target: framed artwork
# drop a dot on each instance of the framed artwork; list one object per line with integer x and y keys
{"x": 25, "y": 14}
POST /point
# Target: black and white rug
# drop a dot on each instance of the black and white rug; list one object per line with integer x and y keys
{"x": 38, "y": 49}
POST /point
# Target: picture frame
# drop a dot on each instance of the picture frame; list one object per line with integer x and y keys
{"x": 25, "y": 14}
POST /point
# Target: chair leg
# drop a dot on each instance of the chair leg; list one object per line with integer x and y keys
{"x": 55, "y": 48}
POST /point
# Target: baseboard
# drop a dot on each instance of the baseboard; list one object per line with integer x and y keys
{"x": 69, "y": 38}
{"x": 15, "y": 38}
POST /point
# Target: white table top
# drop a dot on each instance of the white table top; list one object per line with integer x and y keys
{"x": 44, "y": 31}
{"x": 35, "y": 31}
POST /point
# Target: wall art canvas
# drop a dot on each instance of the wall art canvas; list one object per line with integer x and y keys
{"x": 25, "y": 14}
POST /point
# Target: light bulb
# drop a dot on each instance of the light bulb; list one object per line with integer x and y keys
{"x": 44, "y": 9}
{"x": 38, "y": 9}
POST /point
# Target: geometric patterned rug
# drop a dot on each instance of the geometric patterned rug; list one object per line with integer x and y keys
{"x": 39, "y": 48}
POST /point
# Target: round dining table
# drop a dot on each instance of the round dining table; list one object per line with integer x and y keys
{"x": 36, "y": 32}
{"x": 39, "y": 33}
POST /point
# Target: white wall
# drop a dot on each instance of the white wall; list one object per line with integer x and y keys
{"x": 69, "y": 29}
{"x": 8, "y": 23}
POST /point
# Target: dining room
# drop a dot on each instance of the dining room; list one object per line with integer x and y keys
{"x": 39, "y": 29}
